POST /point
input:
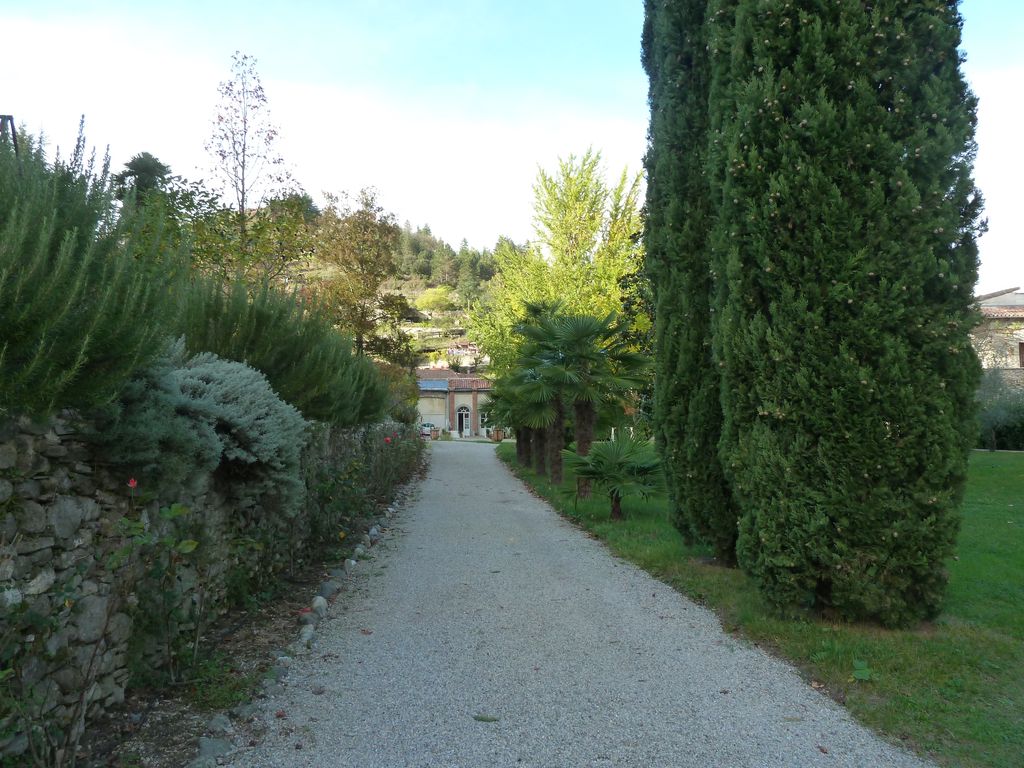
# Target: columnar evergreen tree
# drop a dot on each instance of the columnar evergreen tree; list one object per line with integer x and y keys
{"x": 846, "y": 232}
{"x": 687, "y": 410}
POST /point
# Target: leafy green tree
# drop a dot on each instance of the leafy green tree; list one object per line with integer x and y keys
{"x": 437, "y": 299}
{"x": 444, "y": 268}
{"x": 389, "y": 340}
{"x": 587, "y": 242}
{"x": 687, "y": 410}
{"x": 845, "y": 235}
{"x": 358, "y": 249}
{"x": 624, "y": 467}
{"x": 142, "y": 175}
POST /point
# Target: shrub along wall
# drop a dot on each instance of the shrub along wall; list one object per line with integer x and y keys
{"x": 100, "y": 580}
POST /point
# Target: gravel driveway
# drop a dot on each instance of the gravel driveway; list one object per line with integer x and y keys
{"x": 489, "y": 632}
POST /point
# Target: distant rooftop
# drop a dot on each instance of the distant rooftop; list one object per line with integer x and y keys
{"x": 1003, "y": 305}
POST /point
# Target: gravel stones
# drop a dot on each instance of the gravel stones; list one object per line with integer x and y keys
{"x": 220, "y": 725}
{"x": 496, "y": 633}
{"x": 319, "y": 606}
{"x": 329, "y": 589}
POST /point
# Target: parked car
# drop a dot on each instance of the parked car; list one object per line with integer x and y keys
{"x": 425, "y": 429}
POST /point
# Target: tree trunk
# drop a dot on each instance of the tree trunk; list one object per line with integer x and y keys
{"x": 539, "y": 454}
{"x": 524, "y": 438}
{"x": 616, "y": 505}
{"x": 556, "y": 442}
{"x": 586, "y": 416}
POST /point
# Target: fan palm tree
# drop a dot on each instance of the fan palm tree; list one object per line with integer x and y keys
{"x": 505, "y": 408}
{"x": 625, "y": 467}
{"x": 542, "y": 414}
{"x": 587, "y": 361}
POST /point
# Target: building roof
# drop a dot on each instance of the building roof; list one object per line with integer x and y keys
{"x": 1002, "y": 305}
{"x": 427, "y": 374}
{"x": 442, "y": 379}
{"x": 987, "y": 298}
{"x": 1003, "y": 313}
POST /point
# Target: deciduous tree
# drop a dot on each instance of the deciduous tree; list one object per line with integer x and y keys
{"x": 243, "y": 145}
{"x": 358, "y": 249}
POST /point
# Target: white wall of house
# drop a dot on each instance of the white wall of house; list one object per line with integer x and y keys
{"x": 433, "y": 408}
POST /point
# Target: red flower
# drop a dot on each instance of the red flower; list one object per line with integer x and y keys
{"x": 387, "y": 440}
{"x": 132, "y": 482}
{"x": 394, "y": 434}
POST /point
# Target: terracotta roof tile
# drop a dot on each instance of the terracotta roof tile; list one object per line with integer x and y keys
{"x": 1003, "y": 313}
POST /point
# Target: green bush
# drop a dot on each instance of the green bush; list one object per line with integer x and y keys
{"x": 1000, "y": 413}
{"x": 308, "y": 363}
{"x": 178, "y": 418}
{"x": 261, "y": 436}
{"x": 154, "y": 431}
{"x": 624, "y": 467}
{"x": 86, "y": 291}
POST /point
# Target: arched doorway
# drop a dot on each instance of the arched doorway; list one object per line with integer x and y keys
{"x": 463, "y": 422}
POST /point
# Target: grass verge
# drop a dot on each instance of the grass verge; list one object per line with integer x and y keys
{"x": 952, "y": 689}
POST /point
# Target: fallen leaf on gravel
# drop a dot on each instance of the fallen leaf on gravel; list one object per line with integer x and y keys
{"x": 822, "y": 750}
{"x": 280, "y": 714}
{"x": 366, "y": 631}
{"x": 724, "y": 690}
{"x": 317, "y": 690}
{"x": 793, "y": 719}
{"x": 815, "y": 684}
{"x": 485, "y": 718}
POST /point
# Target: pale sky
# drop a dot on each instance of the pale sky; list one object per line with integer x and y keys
{"x": 447, "y": 107}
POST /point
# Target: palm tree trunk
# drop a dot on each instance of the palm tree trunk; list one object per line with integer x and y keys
{"x": 524, "y": 435}
{"x": 556, "y": 442}
{"x": 539, "y": 452}
{"x": 585, "y": 416}
{"x": 616, "y": 505}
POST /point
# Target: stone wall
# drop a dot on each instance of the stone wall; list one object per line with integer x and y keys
{"x": 64, "y": 621}
{"x": 96, "y": 576}
{"x": 997, "y": 343}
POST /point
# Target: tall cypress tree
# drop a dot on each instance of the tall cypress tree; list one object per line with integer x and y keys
{"x": 687, "y": 411}
{"x": 846, "y": 234}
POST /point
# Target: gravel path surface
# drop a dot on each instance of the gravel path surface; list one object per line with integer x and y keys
{"x": 488, "y": 632}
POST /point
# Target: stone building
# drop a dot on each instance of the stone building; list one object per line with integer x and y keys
{"x": 451, "y": 400}
{"x": 999, "y": 338}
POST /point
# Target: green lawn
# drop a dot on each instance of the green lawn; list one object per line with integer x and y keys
{"x": 952, "y": 689}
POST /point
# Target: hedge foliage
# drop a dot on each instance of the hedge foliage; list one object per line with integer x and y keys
{"x": 307, "y": 361}
{"x": 87, "y": 291}
{"x": 687, "y": 405}
{"x": 822, "y": 198}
